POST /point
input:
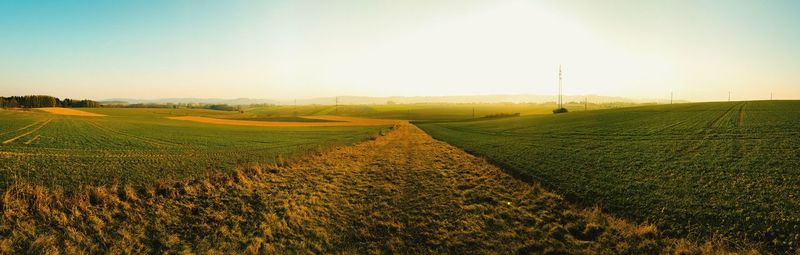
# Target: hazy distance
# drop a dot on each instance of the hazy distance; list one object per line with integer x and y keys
{"x": 281, "y": 50}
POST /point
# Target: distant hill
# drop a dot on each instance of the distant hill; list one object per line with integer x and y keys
{"x": 236, "y": 101}
{"x": 364, "y": 100}
{"x": 356, "y": 100}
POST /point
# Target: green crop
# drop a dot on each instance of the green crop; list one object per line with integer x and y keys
{"x": 704, "y": 169}
{"x": 136, "y": 146}
{"x": 426, "y": 111}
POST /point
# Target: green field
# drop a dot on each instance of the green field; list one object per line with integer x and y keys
{"x": 431, "y": 111}
{"x": 702, "y": 169}
{"x": 137, "y": 146}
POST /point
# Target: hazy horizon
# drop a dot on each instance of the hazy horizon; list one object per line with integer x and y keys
{"x": 279, "y": 50}
{"x": 360, "y": 100}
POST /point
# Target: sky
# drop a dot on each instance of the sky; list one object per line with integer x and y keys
{"x": 699, "y": 49}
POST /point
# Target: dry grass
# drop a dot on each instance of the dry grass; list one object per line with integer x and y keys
{"x": 339, "y": 121}
{"x": 399, "y": 193}
{"x": 69, "y": 111}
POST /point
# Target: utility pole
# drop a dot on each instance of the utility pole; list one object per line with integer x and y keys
{"x": 336, "y": 108}
{"x": 473, "y": 112}
{"x": 729, "y": 96}
{"x": 586, "y": 104}
{"x": 560, "y": 90}
{"x": 670, "y": 97}
{"x": 770, "y": 96}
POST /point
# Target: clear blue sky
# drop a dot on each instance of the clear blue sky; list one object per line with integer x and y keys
{"x": 287, "y": 49}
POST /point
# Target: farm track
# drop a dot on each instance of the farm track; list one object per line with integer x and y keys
{"x": 694, "y": 149}
{"x": 33, "y": 139}
{"x": 28, "y": 133}
{"x": 719, "y": 119}
{"x": 740, "y": 116}
{"x": 408, "y": 193}
{"x": 22, "y": 128}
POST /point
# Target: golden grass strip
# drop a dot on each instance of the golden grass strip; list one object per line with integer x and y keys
{"x": 69, "y": 111}
{"x": 11, "y": 153}
{"x": 341, "y": 121}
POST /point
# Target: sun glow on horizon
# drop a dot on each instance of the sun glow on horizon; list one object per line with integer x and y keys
{"x": 282, "y": 50}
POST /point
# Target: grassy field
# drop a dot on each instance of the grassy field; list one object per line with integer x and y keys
{"x": 704, "y": 169}
{"x": 412, "y": 111}
{"x": 401, "y": 193}
{"x": 139, "y": 146}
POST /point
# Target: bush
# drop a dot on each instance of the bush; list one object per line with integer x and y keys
{"x": 502, "y": 115}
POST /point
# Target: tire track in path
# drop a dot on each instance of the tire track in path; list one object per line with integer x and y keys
{"x": 27, "y": 133}
{"x": 721, "y": 117}
{"x": 33, "y": 139}
{"x": 740, "y": 116}
{"x": 23, "y": 128}
{"x": 408, "y": 193}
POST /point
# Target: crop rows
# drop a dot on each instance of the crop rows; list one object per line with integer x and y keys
{"x": 729, "y": 169}
{"x": 141, "y": 147}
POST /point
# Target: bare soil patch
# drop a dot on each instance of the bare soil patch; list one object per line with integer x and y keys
{"x": 336, "y": 121}
{"x": 69, "y": 111}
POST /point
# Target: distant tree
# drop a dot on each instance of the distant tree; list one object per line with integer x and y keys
{"x": 221, "y": 107}
{"x": 35, "y": 101}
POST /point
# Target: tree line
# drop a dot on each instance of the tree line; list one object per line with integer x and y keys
{"x": 219, "y": 107}
{"x": 38, "y": 101}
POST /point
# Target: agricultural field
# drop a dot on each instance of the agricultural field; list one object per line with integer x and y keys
{"x": 68, "y": 148}
{"x": 729, "y": 169}
{"x": 401, "y": 193}
{"x": 411, "y": 111}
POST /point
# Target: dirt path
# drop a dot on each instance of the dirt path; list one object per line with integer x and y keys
{"x": 408, "y": 193}
{"x": 403, "y": 192}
